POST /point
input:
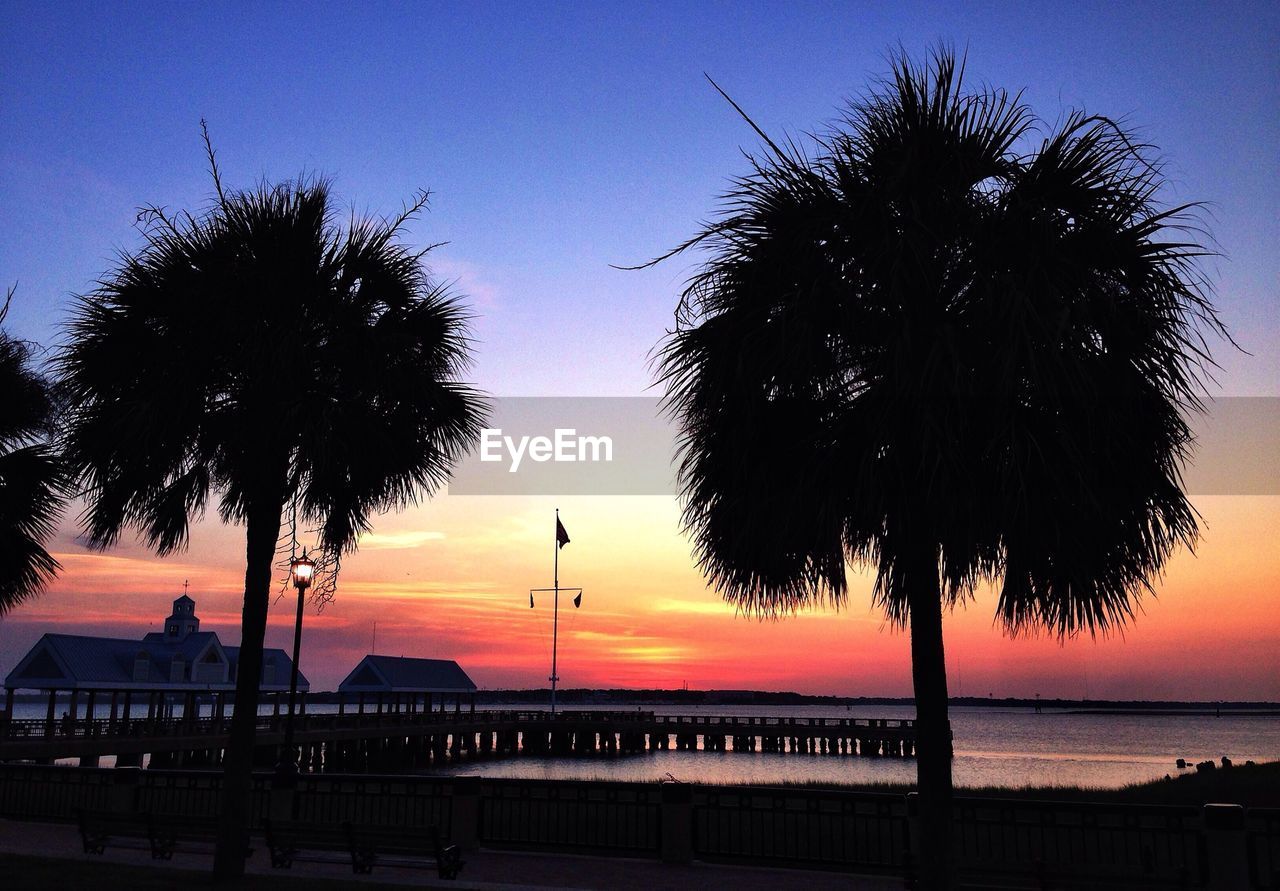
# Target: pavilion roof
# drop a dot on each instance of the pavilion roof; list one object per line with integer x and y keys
{"x": 398, "y": 674}
{"x": 83, "y": 662}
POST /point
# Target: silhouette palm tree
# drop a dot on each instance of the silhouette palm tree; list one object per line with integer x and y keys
{"x": 941, "y": 352}
{"x": 31, "y": 476}
{"x": 264, "y": 354}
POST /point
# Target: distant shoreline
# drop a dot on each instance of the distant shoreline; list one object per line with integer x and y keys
{"x": 1227, "y": 709}
{"x": 577, "y": 698}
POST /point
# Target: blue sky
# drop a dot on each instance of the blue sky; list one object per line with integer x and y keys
{"x": 560, "y": 138}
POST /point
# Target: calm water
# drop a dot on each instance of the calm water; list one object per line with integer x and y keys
{"x": 993, "y": 746}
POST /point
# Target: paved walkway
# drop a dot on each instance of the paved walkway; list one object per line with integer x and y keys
{"x": 485, "y": 869}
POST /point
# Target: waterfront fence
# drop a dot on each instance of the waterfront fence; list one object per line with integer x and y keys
{"x": 1159, "y": 845}
{"x": 36, "y": 792}
{"x": 187, "y": 794}
{"x": 1262, "y": 835}
{"x": 1043, "y": 842}
{"x": 377, "y": 801}
{"x": 800, "y": 826}
{"x": 47, "y": 792}
{"x": 622, "y": 818}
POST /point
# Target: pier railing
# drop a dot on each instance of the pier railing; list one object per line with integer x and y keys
{"x": 81, "y": 728}
{"x": 355, "y": 741}
{"x": 1005, "y": 839}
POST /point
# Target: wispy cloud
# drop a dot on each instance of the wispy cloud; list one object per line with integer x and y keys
{"x": 373, "y": 590}
{"x": 709, "y": 607}
{"x": 398, "y": 541}
{"x": 106, "y": 574}
{"x": 468, "y": 279}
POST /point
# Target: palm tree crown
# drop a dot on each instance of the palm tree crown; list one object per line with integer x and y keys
{"x": 926, "y": 334}
{"x": 31, "y": 475}
{"x": 261, "y": 346}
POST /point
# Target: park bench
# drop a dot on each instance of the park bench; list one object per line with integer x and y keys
{"x": 98, "y": 829}
{"x": 289, "y": 841}
{"x": 363, "y": 846}
{"x": 161, "y": 834}
{"x": 189, "y": 835}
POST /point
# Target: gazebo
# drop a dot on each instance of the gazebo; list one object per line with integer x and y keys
{"x": 399, "y": 684}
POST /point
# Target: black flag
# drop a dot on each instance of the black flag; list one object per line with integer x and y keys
{"x": 530, "y": 600}
{"x": 562, "y": 537}
{"x": 577, "y": 601}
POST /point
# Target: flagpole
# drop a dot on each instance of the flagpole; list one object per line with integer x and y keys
{"x": 555, "y": 621}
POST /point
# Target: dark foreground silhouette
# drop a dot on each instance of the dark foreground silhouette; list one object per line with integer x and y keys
{"x": 955, "y": 344}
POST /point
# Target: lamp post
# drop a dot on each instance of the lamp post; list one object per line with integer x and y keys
{"x": 301, "y": 570}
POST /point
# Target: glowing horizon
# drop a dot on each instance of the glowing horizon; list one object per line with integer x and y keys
{"x": 457, "y": 587}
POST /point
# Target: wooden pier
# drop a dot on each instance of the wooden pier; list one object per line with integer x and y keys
{"x": 392, "y": 741}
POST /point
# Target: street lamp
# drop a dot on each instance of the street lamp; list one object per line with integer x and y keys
{"x": 301, "y": 571}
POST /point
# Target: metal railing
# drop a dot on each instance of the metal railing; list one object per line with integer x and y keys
{"x": 81, "y": 728}
{"x": 835, "y": 829}
{"x": 1085, "y": 842}
{"x": 713, "y": 721}
{"x": 379, "y": 801}
{"x": 192, "y": 794}
{"x": 587, "y": 816}
{"x": 37, "y": 792}
{"x": 1153, "y": 844}
{"x": 1262, "y": 834}
{"x": 104, "y": 728}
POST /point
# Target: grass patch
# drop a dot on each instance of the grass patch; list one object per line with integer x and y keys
{"x": 1255, "y": 785}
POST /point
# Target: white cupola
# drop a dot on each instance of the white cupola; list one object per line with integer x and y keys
{"x": 183, "y": 621}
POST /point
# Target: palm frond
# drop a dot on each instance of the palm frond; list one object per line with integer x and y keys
{"x": 922, "y": 335}
{"x": 33, "y": 481}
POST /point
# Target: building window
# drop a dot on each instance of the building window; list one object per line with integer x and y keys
{"x": 173, "y": 630}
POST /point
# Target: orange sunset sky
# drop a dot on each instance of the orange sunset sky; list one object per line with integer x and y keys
{"x": 450, "y": 579}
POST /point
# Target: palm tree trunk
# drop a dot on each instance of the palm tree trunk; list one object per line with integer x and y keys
{"x": 933, "y": 729}
{"x": 263, "y": 522}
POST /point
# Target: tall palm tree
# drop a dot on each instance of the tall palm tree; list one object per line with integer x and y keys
{"x": 31, "y": 476}
{"x": 263, "y": 354}
{"x": 952, "y": 354}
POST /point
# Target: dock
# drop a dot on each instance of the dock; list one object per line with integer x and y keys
{"x": 399, "y": 740}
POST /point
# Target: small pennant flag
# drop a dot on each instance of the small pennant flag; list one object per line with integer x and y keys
{"x": 577, "y": 601}
{"x": 562, "y": 537}
{"x": 531, "y": 601}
